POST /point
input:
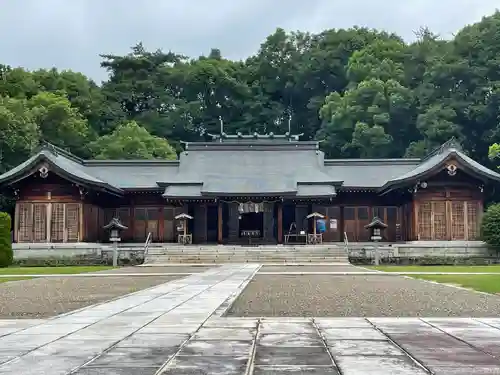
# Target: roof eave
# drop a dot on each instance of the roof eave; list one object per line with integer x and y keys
{"x": 397, "y": 183}
{"x": 250, "y": 194}
{"x": 29, "y": 169}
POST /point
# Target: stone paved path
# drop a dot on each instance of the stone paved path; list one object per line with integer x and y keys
{"x": 178, "y": 328}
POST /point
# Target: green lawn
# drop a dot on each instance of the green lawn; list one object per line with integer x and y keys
{"x": 493, "y": 268}
{"x": 51, "y": 270}
{"x": 482, "y": 283}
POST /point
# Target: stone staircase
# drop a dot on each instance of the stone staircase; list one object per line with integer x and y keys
{"x": 217, "y": 254}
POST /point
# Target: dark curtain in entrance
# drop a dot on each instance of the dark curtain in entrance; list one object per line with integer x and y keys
{"x": 212, "y": 223}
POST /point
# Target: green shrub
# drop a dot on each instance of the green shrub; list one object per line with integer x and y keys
{"x": 490, "y": 225}
{"x": 6, "y": 253}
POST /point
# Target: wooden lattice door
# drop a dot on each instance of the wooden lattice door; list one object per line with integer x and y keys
{"x": 472, "y": 209}
{"x": 39, "y": 222}
{"x": 57, "y": 223}
{"x": 72, "y": 222}
{"x": 457, "y": 223}
{"x": 425, "y": 221}
{"x": 25, "y": 222}
{"x": 439, "y": 221}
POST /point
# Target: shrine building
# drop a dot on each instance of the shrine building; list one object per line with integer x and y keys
{"x": 259, "y": 186}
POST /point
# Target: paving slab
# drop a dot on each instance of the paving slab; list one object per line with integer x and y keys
{"x": 291, "y": 355}
{"x": 295, "y": 370}
{"x": 361, "y": 365}
{"x": 178, "y": 328}
{"x": 205, "y": 365}
{"x": 111, "y": 335}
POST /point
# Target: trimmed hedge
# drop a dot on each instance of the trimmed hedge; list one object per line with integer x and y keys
{"x": 6, "y": 253}
{"x": 429, "y": 261}
{"x": 490, "y": 226}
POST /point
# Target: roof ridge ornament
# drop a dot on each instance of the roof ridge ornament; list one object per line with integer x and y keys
{"x": 451, "y": 143}
{"x": 256, "y": 136}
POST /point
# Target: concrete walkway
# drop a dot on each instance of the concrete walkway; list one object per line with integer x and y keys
{"x": 178, "y": 328}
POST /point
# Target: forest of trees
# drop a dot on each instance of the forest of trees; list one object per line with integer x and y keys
{"x": 364, "y": 93}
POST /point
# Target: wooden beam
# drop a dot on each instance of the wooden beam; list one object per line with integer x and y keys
{"x": 219, "y": 222}
{"x": 280, "y": 223}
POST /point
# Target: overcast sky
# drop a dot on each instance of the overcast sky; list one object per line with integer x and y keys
{"x": 70, "y": 34}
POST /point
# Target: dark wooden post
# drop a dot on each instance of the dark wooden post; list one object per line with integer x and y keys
{"x": 161, "y": 224}
{"x": 280, "y": 222}
{"x": 219, "y": 222}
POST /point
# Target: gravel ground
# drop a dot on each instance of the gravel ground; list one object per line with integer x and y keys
{"x": 166, "y": 270}
{"x": 358, "y": 296}
{"x": 47, "y": 297}
{"x": 309, "y": 268}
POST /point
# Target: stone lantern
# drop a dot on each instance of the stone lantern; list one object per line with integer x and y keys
{"x": 376, "y": 227}
{"x": 115, "y": 228}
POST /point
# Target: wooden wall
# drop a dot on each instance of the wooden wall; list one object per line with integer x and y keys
{"x": 352, "y": 220}
{"x": 447, "y": 214}
{"x": 55, "y": 210}
{"x": 48, "y": 210}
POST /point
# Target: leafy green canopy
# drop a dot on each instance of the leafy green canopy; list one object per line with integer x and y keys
{"x": 131, "y": 141}
{"x": 490, "y": 226}
{"x": 6, "y": 253}
{"x": 364, "y": 93}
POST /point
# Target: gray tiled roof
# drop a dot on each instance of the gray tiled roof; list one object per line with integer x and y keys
{"x": 307, "y": 190}
{"x": 58, "y": 161}
{"x": 369, "y": 173}
{"x": 181, "y": 191}
{"x": 247, "y": 168}
{"x": 437, "y": 160}
{"x": 141, "y": 174}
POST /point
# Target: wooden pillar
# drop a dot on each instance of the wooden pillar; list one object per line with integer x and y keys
{"x": 341, "y": 225}
{"x": 414, "y": 224}
{"x": 280, "y": 223}
{"x": 219, "y": 222}
{"x": 161, "y": 225}
{"x": 466, "y": 220}
{"x": 449, "y": 228}
{"x": 49, "y": 216}
{"x": 16, "y": 222}
{"x": 80, "y": 218}
{"x": 132, "y": 220}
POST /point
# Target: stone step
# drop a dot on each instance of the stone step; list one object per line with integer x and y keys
{"x": 213, "y": 261}
{"x": 249, "y": 254}
{"x": 247, "y": 260}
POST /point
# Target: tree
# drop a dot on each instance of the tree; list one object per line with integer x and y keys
{"x": 6, "y": 253}
{"x": 490, "y": 226}
{"x": 59, "y": 122}
{"x": 131, "y": 141}
{"x": 19, "y": 132}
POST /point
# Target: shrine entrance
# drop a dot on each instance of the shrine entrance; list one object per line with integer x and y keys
{"x": 251, "y": 220}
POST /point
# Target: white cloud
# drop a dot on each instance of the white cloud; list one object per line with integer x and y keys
{"x": 71, "y": 34}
